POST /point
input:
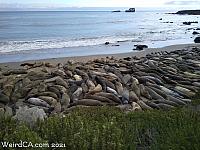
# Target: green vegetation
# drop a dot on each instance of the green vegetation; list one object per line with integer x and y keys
{"x": 108, "y": 128}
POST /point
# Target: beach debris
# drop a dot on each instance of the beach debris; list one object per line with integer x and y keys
{"x": 161, "y": 80}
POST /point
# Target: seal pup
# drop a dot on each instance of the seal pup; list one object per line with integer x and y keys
{"x": 97, "y": 89}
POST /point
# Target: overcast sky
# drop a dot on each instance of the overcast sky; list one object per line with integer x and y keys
{"x": 98, "y": 3}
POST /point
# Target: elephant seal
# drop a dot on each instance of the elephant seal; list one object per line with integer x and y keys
{"x": 165, "y": 106}
{"x": 119, "y": 87}
{"x": 180, "y": 102}
{"x": 38, "y": 102}
{"x": 144, "y": 92}
{"x": 135, "y": 106}
{"x": 90, "y": 85}
{"x": 133, "y": 97}
{"x": 76, "y": 95}
{"x": 50, "y": 100}
{"x": 57, "y": 109}
{"x": 143, "y": 105}
{"x": 135, "y": 88}
{"x": 99, "y": 98}
{"x": 111, "y": 96}
{"x": 97, "y": 89}
{"x": 125, "y": 97}
{"x": 158, "y": 91}
{"x": 110, "y": 90}
{"x": 87, "y": 102}
{"x": 153, "y": 94}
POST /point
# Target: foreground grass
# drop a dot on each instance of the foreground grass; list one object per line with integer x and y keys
{"x": 108, "y": 128}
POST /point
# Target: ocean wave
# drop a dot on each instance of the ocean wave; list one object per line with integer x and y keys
{"x": 17, "y": 46}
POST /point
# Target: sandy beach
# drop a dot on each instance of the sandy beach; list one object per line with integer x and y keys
{"x": 14, "y": 65}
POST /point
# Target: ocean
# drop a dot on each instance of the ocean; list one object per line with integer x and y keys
{"x": 51, "y": 34}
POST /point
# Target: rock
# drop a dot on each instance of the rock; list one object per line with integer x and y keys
{"x": 197, "y": 40}
{"x": 107, "y": 43}
{"x": 160, "y": 19}
{"x": 188, "y": 12}
{"x": 8, "y": 112}
{"x": 130, "y": 10}
{"x": 194, "y": 33}
{"x": 189, "y": 23}
{"x": 3, "y": 98}
{"x": 140, "y": 47}
{"x": 30, "y": 115}
{"x": 115, "y": 45}
{"x": 116, "y": 11}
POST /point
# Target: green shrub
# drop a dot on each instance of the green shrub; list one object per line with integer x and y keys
{"x": 108, "y": 128}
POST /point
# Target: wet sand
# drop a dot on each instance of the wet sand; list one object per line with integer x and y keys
{"x": 16, "y": 65}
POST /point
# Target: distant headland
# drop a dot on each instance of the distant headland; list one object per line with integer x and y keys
{"x": 188, "y": 12}
{"x": 129, "y": 10}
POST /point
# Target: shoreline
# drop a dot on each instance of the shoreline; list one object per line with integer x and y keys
{"x": 16, "y": 65}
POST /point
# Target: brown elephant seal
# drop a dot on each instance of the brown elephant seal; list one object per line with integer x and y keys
{"x": 133, "y": 97}
{"x": 84, "y": 87}
{"x": 97, "y": 89}
{"x": 125, "y": 96}
{"x": 152, "y": 105}
{"x": 65, "y": 101}
{"x": 57, "y": 109}
{"x": 90, "y": 85}
{"x": 99, "y": 98}
{"x": 143, "y": 105}
{"x": 166, "y": 102}
{"x": 50, "y": 100}
{"x": 165, "y": 106}
{"x": 58, "y": 80}
{"x": 88, "y": 102}
{"x": 186, "y": 91}
{"x": 110, "y": 90}
{"x": 54, "y": 90}
{"x": 111, "y": 96}
{"x": 119, "y": 87}
{"x": 136, "y": 89}
{"x": 180, "y": 102}
{"x": 154, "y": 95}
{"x": 160, "y": 92}
{"x": 76, "y": 95}
{"x": 38, "y": 102}
{"x": 144, "y": 92}
{"x": 82, "y": 73}
{"x": 77, "y": 77}
{"x": 135, "y": 106}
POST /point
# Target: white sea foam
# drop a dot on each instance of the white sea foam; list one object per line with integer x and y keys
{"x": 16, "y": 46}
